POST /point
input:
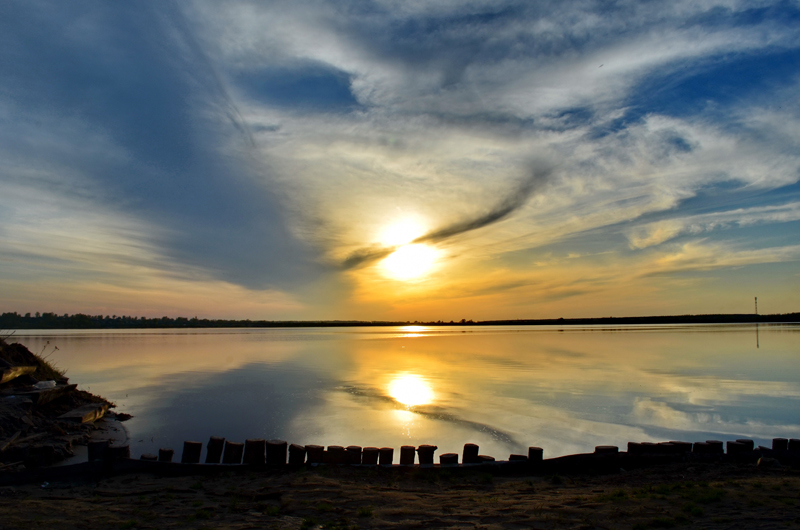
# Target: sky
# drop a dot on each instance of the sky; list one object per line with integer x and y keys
{"x": 388, "y": 160}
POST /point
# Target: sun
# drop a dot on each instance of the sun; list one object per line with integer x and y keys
{"x": 411, "y": 390}
{"x": 401, "y": 232}
{"x": 409, "y": 261}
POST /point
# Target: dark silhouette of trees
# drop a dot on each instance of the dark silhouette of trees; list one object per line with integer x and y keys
{"x": 12, "y": 321}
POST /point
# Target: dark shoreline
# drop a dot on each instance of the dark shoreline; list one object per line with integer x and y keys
{"x": 15, "y": 321}
{"x": 685, "y": 495}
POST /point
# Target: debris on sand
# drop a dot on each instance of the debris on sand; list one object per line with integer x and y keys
{"x": 42, "y": 415}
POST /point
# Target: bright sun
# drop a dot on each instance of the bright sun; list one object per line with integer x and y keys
{"x": 411, "y": 390}
{"x": 409, "y": 261}
{"x": 401, "y": 232}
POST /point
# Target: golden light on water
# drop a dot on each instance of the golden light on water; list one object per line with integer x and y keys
{"x": 409, "y": 261}
{"x": 410, "y": 390}
{"x": 412, "y": 331}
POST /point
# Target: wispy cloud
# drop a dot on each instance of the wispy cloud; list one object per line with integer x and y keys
{"x": 698, "y": 256}
{"x": 660, "y": 231}
{"x": 161, "y": 129}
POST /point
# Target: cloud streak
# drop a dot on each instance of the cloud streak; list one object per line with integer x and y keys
{"x": 511, "y": 203}
{"x": 507, "y": 206}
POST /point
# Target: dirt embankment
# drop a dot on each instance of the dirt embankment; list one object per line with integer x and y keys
{"x": 32, "y": 432}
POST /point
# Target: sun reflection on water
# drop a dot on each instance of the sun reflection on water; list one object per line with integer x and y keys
{"x": 410, "y": 390}
{"x": 412, "y": 331}
{"x": 407, "y": 421}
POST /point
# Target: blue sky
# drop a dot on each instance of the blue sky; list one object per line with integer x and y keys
{"x": 248, "y": 159}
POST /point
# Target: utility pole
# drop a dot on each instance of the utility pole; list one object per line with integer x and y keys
{"x": 758, "y": 345}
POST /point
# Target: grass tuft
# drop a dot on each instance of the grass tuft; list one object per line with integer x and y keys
{"x": 615, "y": 496}
{"x": 19, "y": 355}
{"x": 710, "y": 495}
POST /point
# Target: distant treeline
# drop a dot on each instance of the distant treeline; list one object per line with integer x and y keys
{"x": 12, "y": 321}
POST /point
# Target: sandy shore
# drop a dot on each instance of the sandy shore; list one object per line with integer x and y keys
{"x": 694, "y": 496}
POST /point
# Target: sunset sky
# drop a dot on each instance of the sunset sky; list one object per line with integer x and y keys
{"x": 407, "y": 160}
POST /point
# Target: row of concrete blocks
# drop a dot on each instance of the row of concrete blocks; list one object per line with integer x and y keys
{"x": 740, "y": 446}
{"x": 274, "y": 452}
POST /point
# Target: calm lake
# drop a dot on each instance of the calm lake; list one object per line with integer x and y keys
{"x": 504, "y": 388}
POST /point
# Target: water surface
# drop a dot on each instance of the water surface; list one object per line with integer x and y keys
{"x": 504, "y": 388}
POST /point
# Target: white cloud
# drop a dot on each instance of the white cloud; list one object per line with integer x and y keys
{"x": 700, "y": 256}
{"x": 660, "y": 231}
{"x": 544, "y": 59}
